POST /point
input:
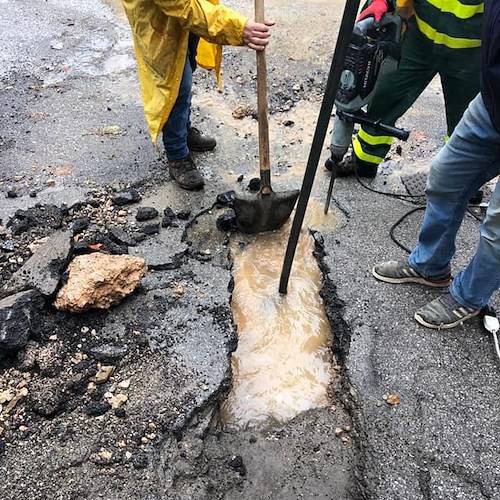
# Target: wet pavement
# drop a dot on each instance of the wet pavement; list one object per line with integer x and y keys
{"x": 72, "y": 121}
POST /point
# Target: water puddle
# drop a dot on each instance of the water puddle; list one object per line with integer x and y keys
{"x": 282, "y": 365}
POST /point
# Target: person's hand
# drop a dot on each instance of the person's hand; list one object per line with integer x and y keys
{"x": 376, "y": 9}
{"x": 256, "y": 35}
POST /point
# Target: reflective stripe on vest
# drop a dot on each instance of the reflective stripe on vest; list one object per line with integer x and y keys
{"x": 457, "y": 8}
{"x": 443, "y": 39}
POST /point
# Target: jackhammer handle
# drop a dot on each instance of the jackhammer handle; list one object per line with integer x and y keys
{"x": 361, "y": 117}
{"x": 399, "y": 133}
{"x": 264, "y": 157}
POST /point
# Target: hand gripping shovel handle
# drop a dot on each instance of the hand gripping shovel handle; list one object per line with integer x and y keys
{"x": 264, "y": 159}
{"x": 344, "y": 37}
{"x": 266, "y": 210}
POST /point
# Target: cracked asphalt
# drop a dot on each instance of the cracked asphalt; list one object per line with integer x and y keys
{"x": 67, "y": 75}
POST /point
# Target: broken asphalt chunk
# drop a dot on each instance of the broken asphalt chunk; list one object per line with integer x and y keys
{"x": 121, "y": 237}
{"x": 168, "y": 217}
{"x": 37, "y": 216}
{"x": 225, "y": 198}
{"x": 227, "y": 222}
{"x": 184, "y": 214}
{"x": 112, "y": 247}
{"x": 126, "y": 197}
{"x": 150, "y": 229}
{"x": 18, "y": 317}
{"x": 120, "y": 412}
{"x": 254, "y": 184}
{"x": 80, "y": 224}
{"x": 109, "y": 352}
{"x": 97, "y": 409}
{"x": 42, "y": 271}
{"x": 161, "y": 253}
{"x": 146, "y": 213}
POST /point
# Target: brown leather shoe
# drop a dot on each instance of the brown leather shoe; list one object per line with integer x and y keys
{"x": 196, "y": 141}
{"x": 186, "y": 174}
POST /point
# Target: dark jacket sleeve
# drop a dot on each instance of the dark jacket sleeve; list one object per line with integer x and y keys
{"x": 490, "y": 71}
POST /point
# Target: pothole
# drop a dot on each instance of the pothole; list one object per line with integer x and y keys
{"x": 283, "y": 363}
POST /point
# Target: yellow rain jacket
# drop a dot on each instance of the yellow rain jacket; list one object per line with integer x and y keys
{"x": 160, "y": 29}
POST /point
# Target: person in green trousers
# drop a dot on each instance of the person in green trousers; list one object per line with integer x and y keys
{"x": 443, "y": 37}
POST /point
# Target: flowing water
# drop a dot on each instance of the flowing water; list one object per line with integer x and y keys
{"x": 282, "y": 365}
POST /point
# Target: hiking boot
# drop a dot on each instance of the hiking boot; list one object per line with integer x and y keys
{"x": 444, "y": 312}
{"x": 350, "y": 165}
{"x": 196, "y": 141}
{"x": 186, "y": 174}
{"x": 402, "y": 272}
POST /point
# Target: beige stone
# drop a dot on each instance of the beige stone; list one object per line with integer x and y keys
{"x": 103, "y": 374}
{"x": 99, "y": 281}
{"x": 117, "y": 401}
{"x": 13, "y": 402}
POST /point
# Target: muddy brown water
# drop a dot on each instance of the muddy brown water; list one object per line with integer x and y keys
{"x": 282, "y": 365}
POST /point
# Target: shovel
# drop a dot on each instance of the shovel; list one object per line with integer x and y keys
{"x": 266, "y": 210}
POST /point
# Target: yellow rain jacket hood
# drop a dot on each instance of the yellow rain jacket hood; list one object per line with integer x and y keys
{"x": 160, "y": 29}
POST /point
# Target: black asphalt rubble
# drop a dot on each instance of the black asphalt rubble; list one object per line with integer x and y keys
{"x": 125, "y": 403}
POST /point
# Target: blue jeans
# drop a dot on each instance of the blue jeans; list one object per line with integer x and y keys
{"x": 468, "y": 160}
{"x": 175, "y": 131}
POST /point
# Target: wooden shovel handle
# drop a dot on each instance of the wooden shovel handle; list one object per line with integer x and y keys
{"x": 264, "y": 160}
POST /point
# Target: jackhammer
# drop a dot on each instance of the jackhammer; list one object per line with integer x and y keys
{"x": 374, "y": 49}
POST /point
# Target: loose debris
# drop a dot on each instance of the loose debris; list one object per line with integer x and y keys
{"x": 47, "y": 373}
{"x": 178, "y": 289}
{"x": 103, "y": 374}
{"x": 241, "y": 111}
{"x": 117, "y": 401}
{"x": 109, "y": 130}
{"x": 392, "y": 399}
{"x": 12, "y": 399}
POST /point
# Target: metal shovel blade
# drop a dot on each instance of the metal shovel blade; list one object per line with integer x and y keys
{"x": 259, "y": 213}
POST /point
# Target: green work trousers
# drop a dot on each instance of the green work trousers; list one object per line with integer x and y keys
{"x": 421, "y": 60}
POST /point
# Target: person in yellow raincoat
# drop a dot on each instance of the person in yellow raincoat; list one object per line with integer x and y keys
{"x": 170, "y": 38}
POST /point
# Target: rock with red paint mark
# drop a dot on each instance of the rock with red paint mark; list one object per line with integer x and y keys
{"x": 99, "y": 281}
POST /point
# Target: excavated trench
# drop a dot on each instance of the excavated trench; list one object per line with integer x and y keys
{"x": 283, "y": 363}
{"x": 286, "y": 420}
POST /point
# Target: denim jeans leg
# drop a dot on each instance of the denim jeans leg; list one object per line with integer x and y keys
{"x": 176, "y": 129}
{"x": 468, "y": 160}
{"x": 474, "y": 285}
